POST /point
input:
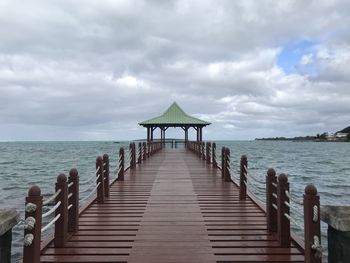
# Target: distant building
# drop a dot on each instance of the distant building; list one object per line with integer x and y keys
{"x": 330, "y": 136}
{"x": 341, "y": 135}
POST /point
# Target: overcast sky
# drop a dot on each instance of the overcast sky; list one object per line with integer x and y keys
{"x": 91, "y": 70}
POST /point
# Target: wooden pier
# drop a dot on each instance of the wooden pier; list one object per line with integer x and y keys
{"x": 175, "y": 205}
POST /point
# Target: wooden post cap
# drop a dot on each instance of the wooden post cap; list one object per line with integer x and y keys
{"x": 105, "y": 156}
{"x": 34, "y": 191}
{"x": 73, "y": 172}
{"x": 310, "y": 189}
{"x": 283, "y": 178}
{"x": 61, "y": 178}
{"x": 271, "y": 172}
{"x": 98, "y": 159}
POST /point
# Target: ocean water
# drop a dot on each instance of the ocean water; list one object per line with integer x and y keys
{"x": 325, "y": 164}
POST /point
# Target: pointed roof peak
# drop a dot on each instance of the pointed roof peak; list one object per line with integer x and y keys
{"x": 175, "y": 107}
{"x": 174, "y": 115}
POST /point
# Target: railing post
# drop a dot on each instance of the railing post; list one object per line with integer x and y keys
{"x": 140, "y": 153}
{"x": 215, "y": 164}
{"x": 131, "y": 156}
{"x": 61, "y": 225}
{"x": 203, "y": 150}
{"x": 121, "y": 164}
{"x": 105, "y": 166}
{"x": 100, "y": 181}
{"x": 208, "y": 152}
{"x": 227, "y": 173}
{"x": 144, "y": 151}
{"x": 222, "y": 162}
{"x": 148, "y": 149}
{"x": 313, "y": 252}
{"x": 73, "y": 200}
{"x": 283, "y": 223}
{"x": 134, "y": 153}
{"x": 271, "y": 213}
{"x": 243, "y": 178}
{"x": 32, "y": 234}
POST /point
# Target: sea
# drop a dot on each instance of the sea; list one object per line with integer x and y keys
{"x": 324, "y": 164}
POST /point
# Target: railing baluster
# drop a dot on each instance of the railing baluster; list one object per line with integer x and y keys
{"x": 73, "y": 213}
{"x": 121, "y": 164}
{"x": 271, "y": 213}
{"x": 33, "y": 208}
{"x": 222, "y": 162}
{"x": 283, "y": 223}
{"x": 243, "y": 178}
{"x": 100, "y": 181}
{"x": 106, "y": 174}
{"x": 140, "y": 153}
{"x": 203, "y": 151}
{"x": 228, "y": 165}
{"x": 134, "y": 154}
{"x": 312, "y": 225}
{"x": 61, "y": 225}
{"x": 207, "y": 152}
{"x": 144, "y": 151}
{"x": 215, "y": 164}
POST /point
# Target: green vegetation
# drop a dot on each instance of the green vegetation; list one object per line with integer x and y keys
{"x": 319, "y": 137}
{"x": 345, "y": 130}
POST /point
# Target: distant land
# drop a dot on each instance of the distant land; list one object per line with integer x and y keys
{"x": 339, "y": 136}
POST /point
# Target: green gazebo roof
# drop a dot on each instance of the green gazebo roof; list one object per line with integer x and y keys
{"x": 174, "y": 115}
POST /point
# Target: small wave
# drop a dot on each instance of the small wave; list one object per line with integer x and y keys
{"x": 329, "y": 194}
{"x": 14, "y": 187}
{"x": 7, "y": 162}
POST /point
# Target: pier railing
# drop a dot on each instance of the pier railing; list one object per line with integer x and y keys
{"x": 65, "y": 205}
{"x": 279, "y": 200}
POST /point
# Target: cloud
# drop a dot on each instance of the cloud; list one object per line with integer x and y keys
{"x": 98, "y": 68}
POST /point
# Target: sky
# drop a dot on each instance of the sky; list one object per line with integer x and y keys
{"x": 92, "y": 70}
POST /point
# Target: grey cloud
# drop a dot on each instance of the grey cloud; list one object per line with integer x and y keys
{"x": 101, "y": 67}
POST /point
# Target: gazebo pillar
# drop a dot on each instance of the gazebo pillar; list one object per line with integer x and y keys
{"x": 148, "y": 134}
{"x": 152, "y": 130}
{"x": 201, "y": 134}
{"x": 197, "y": 129}
{"x": 162, "y": 135}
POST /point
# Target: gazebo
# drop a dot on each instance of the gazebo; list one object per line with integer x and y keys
{"x": 174, "y": 116}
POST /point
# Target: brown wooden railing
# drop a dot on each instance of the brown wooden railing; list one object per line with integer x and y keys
{"x": 64, "y": 204}
{"x": 278, "y": 201}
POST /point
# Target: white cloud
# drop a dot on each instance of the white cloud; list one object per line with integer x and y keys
{"x": 101, "y": 67}
{"x": 307, "y": 59}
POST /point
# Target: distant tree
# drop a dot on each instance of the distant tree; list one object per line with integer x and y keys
{"x": 318, "y": 136}
{"x": 348, "y": 136}
{"x": 323, "y": 136}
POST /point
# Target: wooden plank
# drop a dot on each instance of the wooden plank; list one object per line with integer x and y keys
{"x": 84, "y": 258}
{"x": 173, "y": 208}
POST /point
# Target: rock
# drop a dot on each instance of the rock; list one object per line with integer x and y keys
{"x": 337, "y": 217}
{"x": 8, "y": 219}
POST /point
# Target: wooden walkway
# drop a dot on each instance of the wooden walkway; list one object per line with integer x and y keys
{"x": 173, "y": 208}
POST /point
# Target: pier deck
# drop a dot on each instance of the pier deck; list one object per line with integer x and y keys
{"x": 173, "y": 208}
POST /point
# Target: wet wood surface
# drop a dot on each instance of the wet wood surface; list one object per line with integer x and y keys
{"x": 173, "y": 208}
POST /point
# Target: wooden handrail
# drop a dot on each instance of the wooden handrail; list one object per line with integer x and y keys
{"x": 277, "y": 204}
{"x": 73, "y": 201}
{"x": 105, "y": 172}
